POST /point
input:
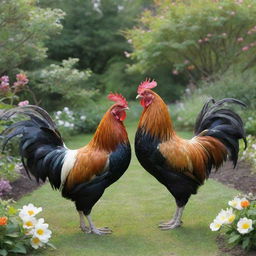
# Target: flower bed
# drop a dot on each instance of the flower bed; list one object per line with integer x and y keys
{"x": 238, "y": 221}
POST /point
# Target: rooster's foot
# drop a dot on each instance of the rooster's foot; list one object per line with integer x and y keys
{"x": 171, "y": 226}
{"x": 101, "y": 231}
{"x": 85, "y": 229}
{"x": 161, "y": 225}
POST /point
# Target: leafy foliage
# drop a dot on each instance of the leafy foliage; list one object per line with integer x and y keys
{"x": 199, "y": 38}
{"x": 24, "y": 27}
{"x": 80, "y": 121}
{"x": 56, "y": 85}
{"x": 249, "y": 154}
{"x": 12, "y": 235}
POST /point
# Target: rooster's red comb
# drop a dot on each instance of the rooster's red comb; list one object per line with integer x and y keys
{"x": 119, "y": 99}
{"x": 146, "y": 85}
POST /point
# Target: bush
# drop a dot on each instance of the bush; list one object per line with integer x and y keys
{"x": 231, "y": 85}
{"x": 24, "y": 28}
{"x": 199, "y": 38}
{"x": 184, "y": 113}
{"x": 249, "y": 154}
{"x": 59, "y": 84}
{"x": 8, "y": 167}
{"x": 239, "y": 221}
{"x": 20, "y": 231}
{"x": 78, "y": 121}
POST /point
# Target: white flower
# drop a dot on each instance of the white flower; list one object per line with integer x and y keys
{"x": 236, "y": 203}
{"x": 35, "y": 242}
{"x": 29, "y": 222}
{"x": 41, "y": 231}
{"x": 215, "y": 225}
{"x": 222, "y": 217}
{"x": 58, "y": 113}
{"x": 244, "y": 225}
{"x": 29, "y": 211}
{"x": 83, "y": 118}
{"x": 60, "y": 122}
{"x": 230, "y": 216}
{"x": 226, "y": 216}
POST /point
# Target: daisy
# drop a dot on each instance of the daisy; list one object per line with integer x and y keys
{"x": 244, "y": 225}
{"x": 29, "y": 210}
{"x": 41, "y": 231}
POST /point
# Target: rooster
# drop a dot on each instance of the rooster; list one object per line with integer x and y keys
{"x": 82, "y": 175}
{"x": 183, "y": 165}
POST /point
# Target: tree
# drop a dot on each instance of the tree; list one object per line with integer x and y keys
{"x": 24, "y": 27}
{"x": 199, "y": 38}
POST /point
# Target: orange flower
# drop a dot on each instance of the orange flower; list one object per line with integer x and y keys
{"x": 245, "y": 203}
{"x": 3, "y": 221}
{"x": 191, "y": 67}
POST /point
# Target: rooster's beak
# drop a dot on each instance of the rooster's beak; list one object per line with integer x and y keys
{"x": 138, "y": 96}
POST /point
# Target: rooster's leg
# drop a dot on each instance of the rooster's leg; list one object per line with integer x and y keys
{"x": 83, "y": 227}
{"x": 175, "y": 221}
{"x": 98, "y": 231}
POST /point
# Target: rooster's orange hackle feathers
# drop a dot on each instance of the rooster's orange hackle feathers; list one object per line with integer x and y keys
{"x": 159, "y": 113}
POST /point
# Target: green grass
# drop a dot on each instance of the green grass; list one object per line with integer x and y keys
{"x": 133, "y": 207}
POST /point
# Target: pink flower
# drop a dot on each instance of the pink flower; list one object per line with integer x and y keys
{"x": 245, "y": 48}
{"x": 175, "y": 72}
{"x": 249, "y": 32}
{"x": 200, "y": 41}
{"x": 4, "y": 79}
{"x": 240, "y": 39}
{"x": 4, "y": 87}
{"x": 23, "y": 103}
{"x": 21, "y": 80}
{"x": 209, "y": 35}
{"x": 206, "y": 39}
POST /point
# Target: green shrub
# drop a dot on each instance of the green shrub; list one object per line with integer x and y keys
{"x": 24, "y": 28}
{"x": 71, "y": 122}
{"x": 184, "y": 113}
{"x": 59, "y": 84}
{"x": 199, "y": 38}
{"x": 231, "y": 85}
{"x": 249, "y": 154}
{"x": 8, "y": 167}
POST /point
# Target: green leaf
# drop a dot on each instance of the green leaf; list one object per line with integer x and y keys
{"x": 19, "y": 248}
{"x": 252, "y": 212}
{"x": 246, "y": 243}
{"x": 3, "y": 252}
{"x": 234, "y": 238}
{"x": 9, "y": 242}
{"x": 13, "y": 234}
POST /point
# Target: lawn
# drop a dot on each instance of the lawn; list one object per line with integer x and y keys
{"x": 133, "y": 207}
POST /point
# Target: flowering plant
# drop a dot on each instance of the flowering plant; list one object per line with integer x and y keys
{"x": 20, "y": 231}
{"x": 239, "y": 221}
{"x": 9, "y": 91}
{"x": 249, "y": 154}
